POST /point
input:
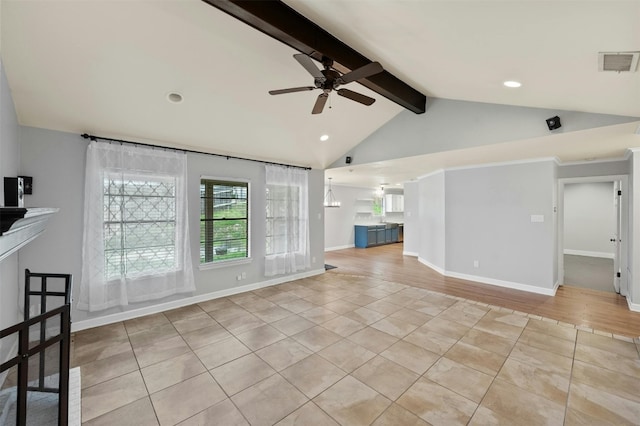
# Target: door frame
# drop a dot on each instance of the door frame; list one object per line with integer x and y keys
{"x": 624, "y": 225}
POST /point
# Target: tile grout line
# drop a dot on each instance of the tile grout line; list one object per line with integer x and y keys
{"x": 498, "y": 372}
{"x": 573, "y": 361}
{"x": 140, "y": 370}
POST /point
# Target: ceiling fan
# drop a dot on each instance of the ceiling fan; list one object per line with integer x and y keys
{"x": 329, "y": 79}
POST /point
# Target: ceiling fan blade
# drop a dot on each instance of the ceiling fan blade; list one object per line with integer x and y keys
{"x": 355, "y": 96}
{"x": 362, "y": 72}
{"x": 319, "y": 105}
{"x": 308, "y": 65}
{"x": 292, "y": 90}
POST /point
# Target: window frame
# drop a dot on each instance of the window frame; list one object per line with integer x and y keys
{"x": 225, "y": 262}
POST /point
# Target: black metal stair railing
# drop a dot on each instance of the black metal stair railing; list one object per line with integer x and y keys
{"x": 29, "y": 348}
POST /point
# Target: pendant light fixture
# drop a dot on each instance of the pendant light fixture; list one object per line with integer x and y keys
{"x": 330, "y": 199}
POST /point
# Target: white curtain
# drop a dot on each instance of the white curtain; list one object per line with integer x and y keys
{"x": 287, "y": 234}
{"x": 135, "y": 239}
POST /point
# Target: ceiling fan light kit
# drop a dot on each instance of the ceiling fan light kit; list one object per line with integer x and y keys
{"x": 329, "y": 79}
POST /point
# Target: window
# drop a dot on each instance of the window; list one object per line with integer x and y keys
{"x": 283, "y": 219}
{"x": 287, "y": 220}
{"x": 378, "y": 205}
{"x": 224, "y": 220}
{"x": 139, "y": 225}
{"x": 135, "y": 242}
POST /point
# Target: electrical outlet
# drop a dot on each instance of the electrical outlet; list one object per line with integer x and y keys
{"x": 476, "y": 263}
{"x": 239, "y": 277}
{"x": 244, "y": 275}
{"x": 313, "y": 259}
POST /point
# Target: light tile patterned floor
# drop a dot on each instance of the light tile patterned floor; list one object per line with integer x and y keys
{"x": 340, "y": 349}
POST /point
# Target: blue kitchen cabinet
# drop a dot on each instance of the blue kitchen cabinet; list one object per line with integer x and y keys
{"x": 364, "y": 238}
{"x": 373, "y": 235}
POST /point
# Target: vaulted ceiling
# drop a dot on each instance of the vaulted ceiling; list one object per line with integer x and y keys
{"x": 106, "y": 67}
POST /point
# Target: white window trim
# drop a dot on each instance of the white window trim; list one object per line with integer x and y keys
{"x": 225, "y": 263}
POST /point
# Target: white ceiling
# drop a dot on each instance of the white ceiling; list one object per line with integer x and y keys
{"x": 466, "y": 49}
{"x": 105, "y": 67}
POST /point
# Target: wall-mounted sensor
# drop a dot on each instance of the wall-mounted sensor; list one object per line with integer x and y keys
{"x": 553, "y": 123}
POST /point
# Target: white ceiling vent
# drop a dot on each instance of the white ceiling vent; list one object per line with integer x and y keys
{"x": 618, "y": 61}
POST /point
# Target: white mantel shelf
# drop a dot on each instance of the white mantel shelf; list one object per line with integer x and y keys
{"x": 24, "y": 230}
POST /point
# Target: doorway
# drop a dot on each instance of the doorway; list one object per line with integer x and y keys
{"x": 592, "y": 233}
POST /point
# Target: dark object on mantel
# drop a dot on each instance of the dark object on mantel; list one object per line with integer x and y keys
{"x": 9, "y": 215}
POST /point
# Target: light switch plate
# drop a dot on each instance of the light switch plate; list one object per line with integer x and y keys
{"x": 537, "y": 218}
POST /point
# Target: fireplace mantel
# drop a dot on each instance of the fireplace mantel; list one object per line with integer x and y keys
{"x": 22, "y": 230}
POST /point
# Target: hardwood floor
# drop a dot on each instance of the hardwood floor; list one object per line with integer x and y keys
{"x": 602, "y": 311}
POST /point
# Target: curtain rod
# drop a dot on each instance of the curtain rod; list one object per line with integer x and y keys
{"x": 228, "y": 157}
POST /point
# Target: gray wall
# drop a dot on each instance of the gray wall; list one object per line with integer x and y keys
{"x": 450, "y": 124}
{"x": 411, "y": 218}
{"x": 9, "y": 161}
{"x": 589, "y": 217}
{"x": 56, "y": 160}
{"x": 488, "y": 218}
{"x": 432, "y": 220}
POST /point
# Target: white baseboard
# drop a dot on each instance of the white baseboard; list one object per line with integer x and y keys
{"x": 492, "y": 281}
{"x": 339, "y": 247}
{"x": 161, "y": 307}
{"x": 635, "y": 307}
{"x": 432, "y": 266}
{"x": 410, "y": 253}
{"x": 506, "y": 284}
{"x": 589, "y": 253}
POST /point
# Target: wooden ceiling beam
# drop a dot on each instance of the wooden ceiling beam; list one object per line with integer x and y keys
{"x": 277, "y": 20}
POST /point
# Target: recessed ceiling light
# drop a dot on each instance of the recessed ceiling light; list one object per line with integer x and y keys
{"x": 174, "y": 97}
{"x": 511, "y": 83}
{"x": 324, "y": 138}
